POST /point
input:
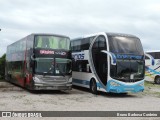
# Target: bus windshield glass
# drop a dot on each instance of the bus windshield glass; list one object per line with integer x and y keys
{"x": 127, "y": 68}
{"x": 57, "y": 66}
{"x": 52, "y": 42}
{"x": 125, "y": 45}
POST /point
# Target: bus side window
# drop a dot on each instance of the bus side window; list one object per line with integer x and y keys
{"x": 146, "y": 57}
{"x": 157, "y": 55}
{"x": 80, "y": 67}
{"x": 102, "y": 43}
{"x": 85, "y": 44}
{"x": 152, "y": 54}
{"x": 76, "y": 45}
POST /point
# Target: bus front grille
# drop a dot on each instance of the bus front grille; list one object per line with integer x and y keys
{"x": 130, "y": 81}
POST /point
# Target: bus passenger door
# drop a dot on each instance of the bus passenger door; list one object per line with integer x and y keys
{"x": 99, "y": 59}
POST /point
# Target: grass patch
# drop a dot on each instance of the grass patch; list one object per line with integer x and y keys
{"x": 151, "y": 89}
{"x": 151, "y": 84}
{"x": 157, "y": 94}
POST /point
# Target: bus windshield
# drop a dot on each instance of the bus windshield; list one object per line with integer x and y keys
{"x": 52, "y": 42}
{"x": 57, "y": 66}
{"x": 127, "y": 68}
{"x": 125, "y": 45}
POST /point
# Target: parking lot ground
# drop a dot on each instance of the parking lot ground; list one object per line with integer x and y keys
{"x": 14, "y": 98}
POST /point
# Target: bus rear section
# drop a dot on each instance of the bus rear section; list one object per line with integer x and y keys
{"x": 152, "y": 73}
{"x": 45, "y": 63}
{"x": 108, "y": 62}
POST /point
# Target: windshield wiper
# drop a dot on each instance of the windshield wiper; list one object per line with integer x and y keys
{"x": 44, "y": 73}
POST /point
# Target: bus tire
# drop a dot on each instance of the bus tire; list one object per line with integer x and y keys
{"x": 93, "y": 86}
{"x": 157, "y": 80}
{"x": 9, "y": 78}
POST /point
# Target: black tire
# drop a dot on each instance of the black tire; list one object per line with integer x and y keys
{"x": 8, "y": 78}
{"x": 93, "y": 86}
{"x": 157, "y": 80}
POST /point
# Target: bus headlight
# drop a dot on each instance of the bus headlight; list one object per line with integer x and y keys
{"x": 70, "y": 79}
{"x": 36, "y": 79}
{"x": 114, "y": 84}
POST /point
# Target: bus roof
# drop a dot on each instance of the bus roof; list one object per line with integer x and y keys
{"x": 49, "y": 34}
{"x": 38, "y": 34}
{"x": 152, "y": 51}
{"x": 105, "y": 33}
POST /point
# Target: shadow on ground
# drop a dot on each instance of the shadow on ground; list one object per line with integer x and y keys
{"x": 104, "y": 94}
{"x": 6, "y": 86}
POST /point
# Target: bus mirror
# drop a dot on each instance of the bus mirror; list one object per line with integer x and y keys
{"x": 32, "y": 57}
{"x": 32, "y": 60}
{"x": 152, "y": 61}
{"x": 112, "y": 55}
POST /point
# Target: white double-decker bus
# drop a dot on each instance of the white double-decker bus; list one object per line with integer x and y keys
{"x": 109, "y": 62}
{"x": 153, "y": 72}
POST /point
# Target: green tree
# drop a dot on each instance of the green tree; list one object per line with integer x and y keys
{"x": 2, "y": 66}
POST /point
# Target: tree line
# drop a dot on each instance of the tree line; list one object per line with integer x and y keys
{"x": 2, "y": 66}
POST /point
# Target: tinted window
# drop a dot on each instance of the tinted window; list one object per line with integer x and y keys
{"x": 18, "y": 46}
{"x": 95, "y": 45}
{"x": 152, "y": 54}
{"x": 81, "y": 44}
{"x": 155, "y": 55}
{"x": 85, "y": 44}
{"x": 80, "y": 66}
{"x": 126, "y": 68}
{"x": 100, "y": 59}
{"x": 53, "y": 42}
{"x": 102, "y": 42}
{"x": 75, "y": 45}
{"x": 30, "y": 42}
{"x": 128, "y": 45}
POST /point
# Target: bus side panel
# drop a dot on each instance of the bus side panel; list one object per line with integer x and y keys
{"x": 15, "y": 62}
{"x": 115, "y": 86}
{"x": 81, "y": 78}
{"x": 152, "y": 71}
{"x": 28, "y": 70}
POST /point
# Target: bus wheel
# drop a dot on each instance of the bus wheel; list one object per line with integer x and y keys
{"x": 157, "y": 80}
{"x": 93, "y": 86}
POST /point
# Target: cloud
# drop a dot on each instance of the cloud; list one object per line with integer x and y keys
{"x": 75, "y": 18}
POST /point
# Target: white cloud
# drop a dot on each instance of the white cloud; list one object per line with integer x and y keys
{"x": 74, "y": 18}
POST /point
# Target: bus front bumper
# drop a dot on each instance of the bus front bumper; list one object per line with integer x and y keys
{"x": 115, "y": 86}
{"x": 52, "y": 83}
{"x": 43, "y": 86}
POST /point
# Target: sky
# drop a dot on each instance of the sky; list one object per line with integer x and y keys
{"x": 75, "y": 18}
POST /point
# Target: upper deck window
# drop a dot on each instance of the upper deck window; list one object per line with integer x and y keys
{"x": 52, "y": 42}
{"x": 125, "y": 45}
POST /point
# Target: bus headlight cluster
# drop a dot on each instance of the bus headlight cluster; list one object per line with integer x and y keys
{"x": 70, "y": 79}
{"x": 36, "y": 79}
{"x": 114, "y": 84}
